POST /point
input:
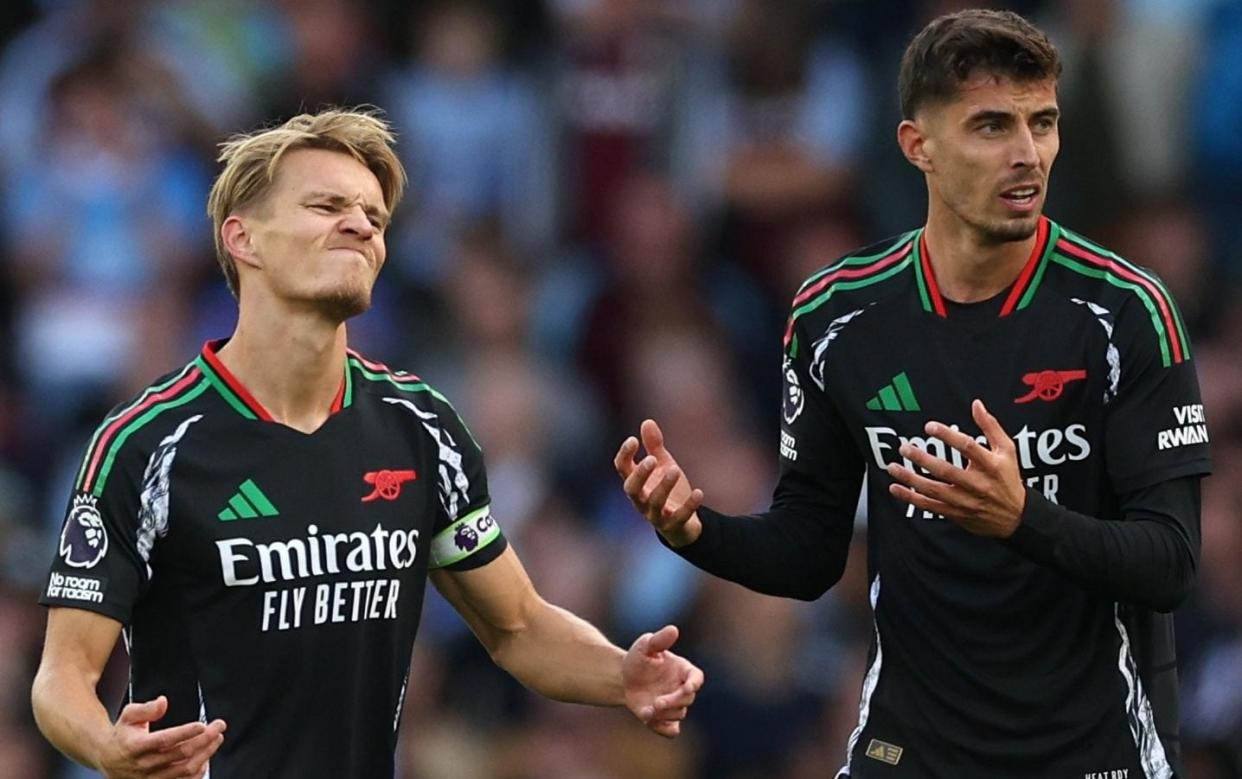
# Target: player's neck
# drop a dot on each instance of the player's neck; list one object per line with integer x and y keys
{"x": 292, "y": 364}
{"x": 969, "y": 268}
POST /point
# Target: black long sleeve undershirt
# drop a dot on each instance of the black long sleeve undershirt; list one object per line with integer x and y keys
{"x": 795, "y": 549}
{"x": 798, "y": 547}
{"x": 1148, "y": 558}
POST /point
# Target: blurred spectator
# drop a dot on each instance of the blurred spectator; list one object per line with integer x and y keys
{"x": 1212, "y": 723}
{"x": 474, "y": 139}
{"x": 647, "y": 278}
{"x": 1172, "y": 238}
{"x": 772, "y": 132}
{"x": 22, "y": 750}
{"x": 1122, "y": 104}
{"x": 103, "y": 222}
{"x": 34, "y": 58}
{"x": 758, "y": 715}
{"x": 1217, "y": 110}
{"x": 331, "y": 58}
{"x": 618, "y": 75}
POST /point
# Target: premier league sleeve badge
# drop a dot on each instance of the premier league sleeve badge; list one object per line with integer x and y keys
{"x": 84, "y": 539}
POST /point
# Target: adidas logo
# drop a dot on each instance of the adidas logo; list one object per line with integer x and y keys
{"x": 247, "y": 503}
{"x": 897, "y": 395}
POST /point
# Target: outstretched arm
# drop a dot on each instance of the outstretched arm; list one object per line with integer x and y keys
{"x": 563, "y": 657}
{"x": 795, "y": 549}
{"x": 71, "y": 716}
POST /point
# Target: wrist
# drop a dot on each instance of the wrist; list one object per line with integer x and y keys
{"x": 1014, "y": 521}
{"x": 686, "y": 533}
{"x": 101, "y": 751}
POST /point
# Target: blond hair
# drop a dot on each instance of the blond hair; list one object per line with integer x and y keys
{"x": 251, "y": 159}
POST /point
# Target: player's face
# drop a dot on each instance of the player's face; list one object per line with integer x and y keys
{"x": 989, "y": 152}
{"x": 319, "y": 234}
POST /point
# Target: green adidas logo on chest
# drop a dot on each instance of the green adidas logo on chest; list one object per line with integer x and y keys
{"x": 248, "y": 502}
{"x": 897, "y": 395}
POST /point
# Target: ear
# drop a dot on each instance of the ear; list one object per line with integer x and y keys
{"x": 239, "y": 241}
{"x": 914, "y": 142}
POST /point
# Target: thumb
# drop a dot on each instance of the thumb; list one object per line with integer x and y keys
{"x": 661, "y": 640}
{"x": 150, "y": 711}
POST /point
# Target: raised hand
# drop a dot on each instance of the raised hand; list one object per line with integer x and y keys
{"x": 135, "y": 752}
{"x": 985, "y": 498}
{"x": 658, "y": 488}
{"x": 659, "y": 685}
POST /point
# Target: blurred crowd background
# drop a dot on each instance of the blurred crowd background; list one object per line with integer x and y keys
{"x": 612, "y": 204}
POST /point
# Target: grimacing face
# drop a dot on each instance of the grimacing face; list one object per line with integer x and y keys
{"x": 989, "y": 151}
{"x": 319, "y": 233}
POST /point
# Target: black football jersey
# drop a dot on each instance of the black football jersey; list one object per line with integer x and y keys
{"x": 269, "y": 577}
{"x": 984, "y": 663}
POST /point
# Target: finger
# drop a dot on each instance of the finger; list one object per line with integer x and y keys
{"x": 624, "y": 461}
{"x": 920, "y": 501}
{"x": 179, "y": 770}
{"x": 163, "y": 740}
{"x": 679, "y": 699}
{"x": 971, "y": 449}
{"x": 694, "y": 679}
{"x": 634, "y": 483}
{"x": 658, "y": 500}
{"x": 149, "y": 711}
{"x": 659, "y": 641}
{"x": 942, "y": 470}
{"x": 921, "y": 484}
{"x": 672, "y": 714}
{"x": 195, "y": 760}
{"x": 191, "y": 748}
{"x": 997, "y": 437}
{"x": 666, "y": 729}
{"x": 682, "y": 514}
{"x": 653, "y": 437}
{"x": 188, "y": 769}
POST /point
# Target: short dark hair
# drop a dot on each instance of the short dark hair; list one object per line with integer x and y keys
{"x": 953, "y": 47}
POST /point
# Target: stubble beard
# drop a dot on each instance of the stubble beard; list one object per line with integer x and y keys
{"x": 1000, "y": 231}
{"x": 1010, "y": 233}
{"x": 344, "y": 302}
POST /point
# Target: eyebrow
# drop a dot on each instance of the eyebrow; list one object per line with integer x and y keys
{"x": 1052, "y": 112}
{"x": 337, "y": 199}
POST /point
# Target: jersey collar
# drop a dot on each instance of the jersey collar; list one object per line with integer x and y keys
{"x": 240, "y": 398}
{"x": 1023, "y": 289}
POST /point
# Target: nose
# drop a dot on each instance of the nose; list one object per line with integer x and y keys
{"x": 1025, "y": 152}
{"x": 356, "y": 222}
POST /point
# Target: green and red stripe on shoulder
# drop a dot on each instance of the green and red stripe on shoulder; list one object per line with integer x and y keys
{"x": 1082, "y": 256}
{"x": 112, "y": 434}
{"x": 850, "y": 273}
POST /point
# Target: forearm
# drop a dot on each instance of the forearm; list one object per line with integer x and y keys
{"x": 1147, "y": 558}
{"x": 795, "y": 549}
{"x": 70, "y": 715}
{"x": 563, "y": 657}
{"x": 774, "y": 553}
